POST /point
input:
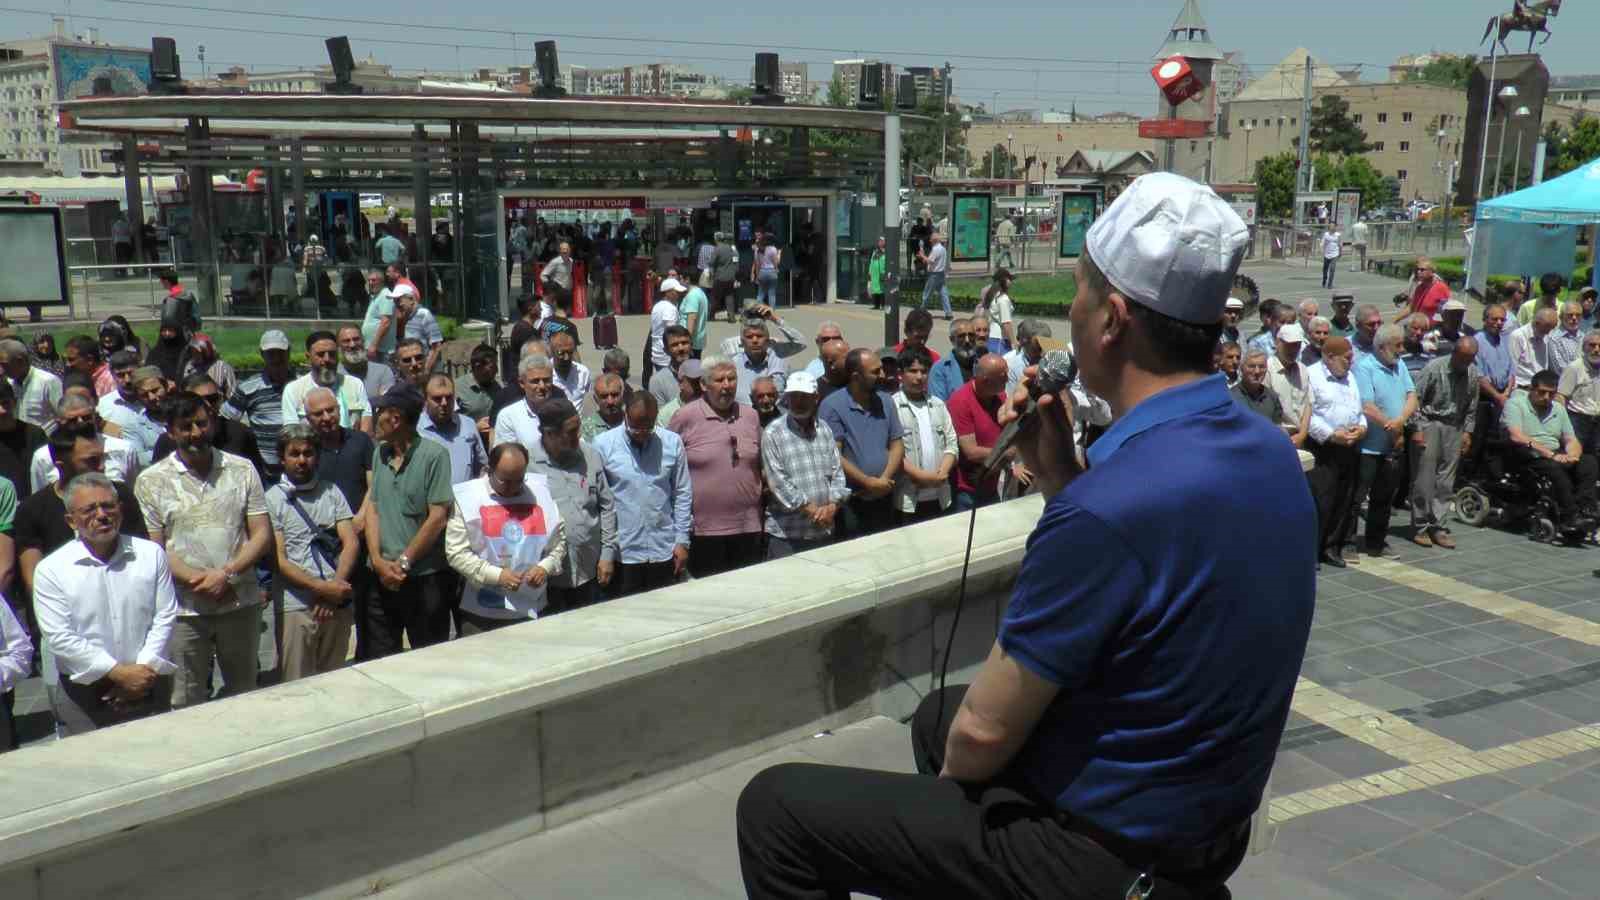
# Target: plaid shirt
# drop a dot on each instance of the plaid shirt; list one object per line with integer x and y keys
{"x": 800, "y": 470}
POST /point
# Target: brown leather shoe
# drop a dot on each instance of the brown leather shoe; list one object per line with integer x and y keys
{"x": 1421, "y": 539}
{"x": 1443, "y": 539}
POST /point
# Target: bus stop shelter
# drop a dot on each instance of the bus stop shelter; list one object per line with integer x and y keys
{"x": 469, "y": 168}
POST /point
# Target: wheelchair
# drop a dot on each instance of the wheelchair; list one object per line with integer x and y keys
{"x": 1506, "y": 494}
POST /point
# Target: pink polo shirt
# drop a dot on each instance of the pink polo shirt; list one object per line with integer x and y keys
{"x": 726, "y": 491}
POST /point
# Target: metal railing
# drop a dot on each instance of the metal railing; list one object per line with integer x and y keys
{"x": 1384, "y": 240}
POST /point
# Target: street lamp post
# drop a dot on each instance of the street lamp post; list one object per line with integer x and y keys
{"x": 944, "y": 117}
{"x": 1507, "y": 94}
{"x": 1516, "y": 161}
{"x": 1247, "y": 130}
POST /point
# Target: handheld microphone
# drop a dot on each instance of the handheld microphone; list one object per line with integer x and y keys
{"x": 1054, "y": 375}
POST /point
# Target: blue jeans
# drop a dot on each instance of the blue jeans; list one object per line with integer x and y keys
{"x": 936, "y": 280}
{"x": 767, "y": 288}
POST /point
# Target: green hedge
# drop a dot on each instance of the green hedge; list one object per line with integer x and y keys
{"x": 238, "y": 342}
{"x": 1029, "y": 308}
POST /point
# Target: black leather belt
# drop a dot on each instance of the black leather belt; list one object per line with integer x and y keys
{"x": 1164, "y": 862}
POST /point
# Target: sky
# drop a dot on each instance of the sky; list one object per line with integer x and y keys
{"x": 1033, "y": 54}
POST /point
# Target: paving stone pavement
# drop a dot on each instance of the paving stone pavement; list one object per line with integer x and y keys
{"x": 1443, "y": 744}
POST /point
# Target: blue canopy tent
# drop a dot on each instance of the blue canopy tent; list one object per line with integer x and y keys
{"x": 1535, "y": 230}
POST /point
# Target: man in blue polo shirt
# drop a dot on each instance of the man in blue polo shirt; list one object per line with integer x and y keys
{"x": 1389, "y": 398}
{"x": 1120, "y": 733}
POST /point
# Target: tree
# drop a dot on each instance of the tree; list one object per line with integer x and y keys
{"x": 1567, "y": 148}
{"x": 1333, "y": 131}
{"x": 837, "y": 97}
{"x": 1446, "y": 71}
{"x": 999, "y": 162}
{"x": 1352, "y": 173}
{"x": 920, "y": 142}
{"x": 741, "y": 93}
{"x": 1275, "y": 179}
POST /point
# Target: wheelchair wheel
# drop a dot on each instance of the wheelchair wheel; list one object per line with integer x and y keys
{"x": 1472, "y": 506}
{"x": 1543, "y": 530}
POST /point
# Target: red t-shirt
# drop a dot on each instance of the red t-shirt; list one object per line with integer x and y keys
{"x": 900, "y": 348}
{"x": 981, "y": 420}
{"x": 1427, "y": 298}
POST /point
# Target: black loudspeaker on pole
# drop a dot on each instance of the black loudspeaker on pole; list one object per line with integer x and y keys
{"x": 344, "y": 66}
{"x": 768, "y": 85}
{"x": 549, "y": 66}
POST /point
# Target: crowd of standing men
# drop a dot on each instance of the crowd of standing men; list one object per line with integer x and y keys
{"x": 1402, "y": 412}
{"x": 172, "y": 533}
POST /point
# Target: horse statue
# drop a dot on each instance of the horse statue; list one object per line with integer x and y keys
{"x": 1530, "y": 17}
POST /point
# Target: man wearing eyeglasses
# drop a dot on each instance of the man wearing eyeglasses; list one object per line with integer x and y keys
{"x": 107, "y": 607}
{"x": 648, "y": 474}
{"x": 950, "y": 373}
{"x": 722, "y": 439}
{"x": 1428, "y": 292}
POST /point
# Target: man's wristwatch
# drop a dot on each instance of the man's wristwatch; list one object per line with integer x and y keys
{"x": 232, "y": 577}
{"x": 404, "y": 562}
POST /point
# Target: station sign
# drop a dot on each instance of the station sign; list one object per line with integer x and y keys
{"x": 541, "y": 203}
{"x": 1174, "y": 129}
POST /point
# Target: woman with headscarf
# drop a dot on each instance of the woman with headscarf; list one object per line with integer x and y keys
{"x": 167, "y": 354}
{"x": 200, "y": 358}
{"x": 116, "y": 330}
{"x": 43, "y": 354}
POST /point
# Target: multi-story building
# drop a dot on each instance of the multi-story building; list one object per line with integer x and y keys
{"x": 848, "y": 73}
{"x": 930, "y": 81}
{"x": 1053, "y": 144}
{"x": 369, "y": 74}
{"x": 31, "y": 86}
{"x": 1576, "y": 91}
{"x": 794, "y": 81}
{"x": 644, "y": 80}
{"x": 1229, "y": 75}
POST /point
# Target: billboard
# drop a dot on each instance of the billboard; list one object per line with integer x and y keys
{"x": 33, "y": 266}
{"x": 1077, "y": 214}
{"x": 78, "y": 67}
{"x": 970, "y": 218}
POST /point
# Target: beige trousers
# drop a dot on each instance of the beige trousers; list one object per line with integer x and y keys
{"x": 311, "y": 647}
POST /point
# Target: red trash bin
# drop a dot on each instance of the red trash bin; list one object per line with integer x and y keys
{"x": 580, "y": 291}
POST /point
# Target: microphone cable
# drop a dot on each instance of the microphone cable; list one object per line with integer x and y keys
{"x": 955, "y": 620}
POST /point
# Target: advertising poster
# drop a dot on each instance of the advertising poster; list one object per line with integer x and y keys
{"x": 78, "y": 67}
{"x": 1077, "y": 214}
{"x": 969, "y": 224}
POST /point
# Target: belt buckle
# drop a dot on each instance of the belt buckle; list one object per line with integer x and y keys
{"x": 1143, "y": 886}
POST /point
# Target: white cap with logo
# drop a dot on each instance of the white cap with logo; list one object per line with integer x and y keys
{"x": 800, "y": 383}
{"x": 1172, "y": 245}
{"x": 274, "y": 340}
{"x": 1292, "y": 334}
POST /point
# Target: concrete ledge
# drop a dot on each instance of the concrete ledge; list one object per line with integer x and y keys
{"x": 401, "y": 764}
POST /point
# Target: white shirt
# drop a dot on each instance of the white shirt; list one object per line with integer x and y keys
{"x": 938, "y": 259}
{"x": 999, "y": 313}
{"x": 1530, "y": 354}
{"x": 1358, "y": 233}
{"x": 1335, "y": 403}
{"x": 928, "y": 450}
{"x": 1330, "y": 245}
{"x": 1290, "y": 388}
{"x": 122, "y": 463}
{"x": 516, "y": 424}
{"x": 95, "y": 615}
{"x": 664, "y": 313}
{"x": 1016, "y": 363}
{"x": 351, "y": 397}
{"x": 16, "y": 649}
{"x": 575, "y": 384}
{"x": 37, "y": 397}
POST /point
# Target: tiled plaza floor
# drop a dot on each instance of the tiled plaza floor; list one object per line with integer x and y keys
{"x": 1440, "y": 747}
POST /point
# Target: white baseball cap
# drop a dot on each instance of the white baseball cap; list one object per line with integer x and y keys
{"x": 1292, "y": 334}
{"x": 274, "y": 340}
{"x": 1453, "y": 305}
{"x": 672, "y": 284}
{"x": 1233, "y": 303}
{"x": 800, "y": 383}
{"x": 1170, "y": 244}
{"x": 402, "y": 290}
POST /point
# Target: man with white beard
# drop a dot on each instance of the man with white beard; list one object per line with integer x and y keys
{"x": 376, "y": 376}
{"x": 322, "y": 353}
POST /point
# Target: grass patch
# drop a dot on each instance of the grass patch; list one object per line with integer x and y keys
{"x": 239, "y": 343}
{"x": 1032, "y": 295}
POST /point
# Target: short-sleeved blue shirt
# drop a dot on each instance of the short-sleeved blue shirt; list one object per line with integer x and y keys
{"x": 864, "y": 431}
{"x": 1175, "y": 641}
{"x": 1385, "y": 386}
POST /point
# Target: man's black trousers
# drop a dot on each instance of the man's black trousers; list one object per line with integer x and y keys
{"x": 814, "y": 831}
